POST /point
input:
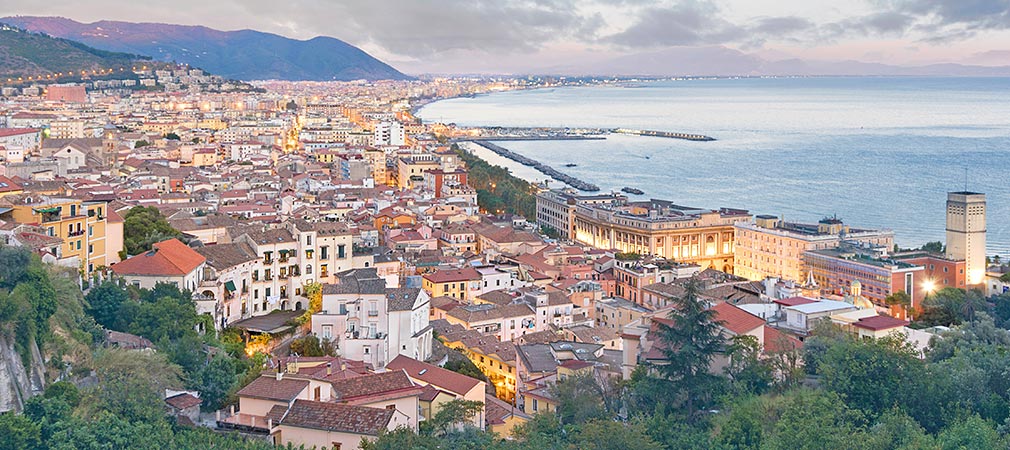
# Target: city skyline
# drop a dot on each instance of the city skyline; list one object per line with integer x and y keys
{"x": 491, "y": 37}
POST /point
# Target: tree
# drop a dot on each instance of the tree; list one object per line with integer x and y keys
{"x": 580, "y": 399}
{"x": 104, "y": 302}
{"x": 452, "y": 414}
{"x": 896, "y": 430}
{"x": 816, "y": 420}
{"x": 610, "y": 435}
{"x": 214, "y": 381}
{"x": 980, "y": 333}
{"x": 872, "y": 375}
{"x": 312, "y": 346}
{"x": 748, "y": 371}
{"x": 172, "y": 136}
{"x": 934, "y": 247}
{"x": 141, "y": 143}
{"x": 131, "y": 385}
{"x": 900, "y": 298}
{"x": 969, "y": 433}
{"x": 690, "y": 342}
{"x": 143, "y": 226}
{"x": 19, "y": 432}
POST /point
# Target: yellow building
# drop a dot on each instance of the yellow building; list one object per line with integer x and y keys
{"x": 661, "y": 228}
{"x": 770, "y": 247}
{"x": 81, "y": 225}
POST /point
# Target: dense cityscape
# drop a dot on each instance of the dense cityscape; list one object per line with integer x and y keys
{"x": 190, "y": 261}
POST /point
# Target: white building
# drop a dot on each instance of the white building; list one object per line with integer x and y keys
{"x": 966, "y": 233}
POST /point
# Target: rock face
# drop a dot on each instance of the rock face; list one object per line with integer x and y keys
{"x": 18, "y": 383}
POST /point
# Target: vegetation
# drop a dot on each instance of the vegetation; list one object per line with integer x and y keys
{"x": 498, "y": 191}
{"x": 143, "y": 226}
{"x": 172, "y": 136}
{"x": 934, "y": 247}
{"x": 313, "y": 346}
{"x": 24, "y": 54}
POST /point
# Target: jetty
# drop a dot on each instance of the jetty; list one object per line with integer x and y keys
{"x": 664, "y": 134}
{"x": 543, "y": 168}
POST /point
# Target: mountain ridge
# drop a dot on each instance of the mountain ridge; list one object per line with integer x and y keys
{"x": 241, "y": 54}
{"x": 24, "y": 53}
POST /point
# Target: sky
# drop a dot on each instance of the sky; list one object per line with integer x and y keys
{"x": 517, "y": 36}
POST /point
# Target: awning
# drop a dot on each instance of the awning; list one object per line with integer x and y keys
{"x": 230, "y": 286}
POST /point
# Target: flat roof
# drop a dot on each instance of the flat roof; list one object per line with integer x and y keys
{"x": 821, "y": 306}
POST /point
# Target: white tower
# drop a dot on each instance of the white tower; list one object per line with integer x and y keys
{"x": 966, "y": 233}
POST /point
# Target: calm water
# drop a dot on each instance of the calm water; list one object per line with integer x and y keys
{"x": 878, "y": 152}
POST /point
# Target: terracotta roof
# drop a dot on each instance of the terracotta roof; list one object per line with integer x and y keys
{"x": 434, "y": 375}
{"x": 7, "y": 132}
{"x": 793, "y": 301}
{"x": 449, "y": 276}
{"x": 268, "y": 387}
{"x": 183, "y": 401}
{"x": 334, "y": 417}
{"x": 877, "y": 323}
{"x": 776, "y": 341}
{"x": 735, "y": 319}
{"x": 170, "y": 258}
{"x": 392, "y": 382}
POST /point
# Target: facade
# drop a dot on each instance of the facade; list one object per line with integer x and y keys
{"x": 661, "y": 228}
{"x": 835, "y": 270}
{"x": 81, "y": 225}
{"x": 168, "y": 261}
{"x": 966, "y": 233}
{"x": 770, "y": 247}
{"x": 556, "y": 207}
{"x": 22, "y": 138}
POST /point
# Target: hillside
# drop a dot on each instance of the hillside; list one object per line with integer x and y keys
{"x": 244, "y": 54}
{"x": 24, "y": 54}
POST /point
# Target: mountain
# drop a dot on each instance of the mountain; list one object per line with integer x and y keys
{"x": 24, "y": 54}
{"x": 723, "y": 61}
{"x": 243, "y": 55}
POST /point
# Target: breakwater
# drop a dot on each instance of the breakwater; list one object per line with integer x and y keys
{"x": 665, "y": 134}
{"x": 543, "y": 168}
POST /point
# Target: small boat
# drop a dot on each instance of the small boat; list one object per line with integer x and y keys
{"x": 631, "y": 190}
{"x": 570, "y": 165}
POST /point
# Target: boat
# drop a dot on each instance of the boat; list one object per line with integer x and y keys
{"x": 570, "y": 165}
{"x": 631, "y": 190}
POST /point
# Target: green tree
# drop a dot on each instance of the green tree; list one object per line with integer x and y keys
{"x": 816, "y": 420}
{"x": 141, "y": 143}
{"x": 580, "y": 399}
{"x": 65, "y": 391}
{"x": 971, "y": 433}
{"x": 143, "y": 226}
{"x": 896, "y": 430}
{"x": 980, "y": 333}
{"x": 131, "y": 385}
{"x": 934, "y": 247}
{"x": 690, "y": 343}
{"x": 872, "y": 375}
{"x": 172, "y": 136}
{"x": 214, "y": 381}
{"x": 749, "y": 372}
{"x": 19, "y": 432}
{"x": 104, "y": 302}
{"x": 452, "y": 414}
{"x": 610, "y": 435}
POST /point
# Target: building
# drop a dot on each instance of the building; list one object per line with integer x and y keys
{"x": 556, "y": 207}
{"x": 771, "y": 247}
{"x": 940, "y": 272}
{"x": 373, "y": 323}
{"x": 66, "y": 93}
{"x": 661, "y": 228}
{"x": 22, "y": 138}
{"x": 389, "y": 133}
{"x": 835, "y": 271}
{"x": 445, "y": 381}
{"x": 82, "y": 227}
{"x": 168, "y": 261}
{"x": 966, "y": 233}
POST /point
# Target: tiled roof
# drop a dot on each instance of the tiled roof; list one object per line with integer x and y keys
{"x": 877, "y": 323}
{"x": 434, "y": 375}
{"x": 7, "y": 132}
{"x": 223, "y": 256}
{"x": 183, "y": 401}
{"x": 735, "y": 319}
{"x": 335, "y": 417}
{"x": 793, "y": 301}
{"x": 394, "y": 381}
{"x": 167, "y": 258}
{"x": 401, "y": 299}
{"x": 776, "y": 341}
{"x": 268, "y": 387}
{"x": 451, "y": 276}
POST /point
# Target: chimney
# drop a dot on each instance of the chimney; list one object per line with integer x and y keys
{"x": 329, "y": 369}
{"x": 280, "y": 374}
{"x": 343, "y": 365}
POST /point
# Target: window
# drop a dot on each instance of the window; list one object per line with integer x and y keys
{"x": 340, "y": 251}
{"x": 391, "y": 407}
{"x": 324, "y": 252}
{"x": 336, "y": 445}
{"x": 267, "y": 293}
{"x": 308, "y": 269}
{"x": 534, "y": 404}
{"x": 308, "y": 239}
{"x": 91, "y": 249}
{"x": 91, "y": 231}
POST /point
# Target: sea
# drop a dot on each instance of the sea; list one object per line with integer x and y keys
{"x": 874, "y": 152}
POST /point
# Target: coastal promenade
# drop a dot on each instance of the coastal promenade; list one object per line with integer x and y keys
{"x": 543, "y": 168}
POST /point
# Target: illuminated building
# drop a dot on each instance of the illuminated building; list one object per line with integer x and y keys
{"x": 771, "y": 247}
{"x": 966, "y": 233}
{"x": 661, "y": 228}
{"x": 835, "y": 270}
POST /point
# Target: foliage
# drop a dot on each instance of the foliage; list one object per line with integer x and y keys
{"x": 498, "y": 191}
{"x": 141, "y": 143}
{"x": 871, "y": 375}
{"x": 749, "y": 372}
{"x": 104, "y": 302}
{"x": 580, "y": 399}
{"x": 451, "y": 415}
{"x": 132, "y": 384}
{"x": 951, "y": 306}
{"x": 934, "y": 247}
{"x": 690, "y": 343}
{"x": 143, "y": 226}
{"x": 815, "y": 420}
{"x": 313, "y": 346}
{"x": 19, "y": 432}
{"x": 313, "y": 292}
{"x": 28, "y": 299}
{"x": 610, "y": 435}
{"x": 462, "y": 365}
{"x": 214, "y": 381}
{"x": 172, "y": 136}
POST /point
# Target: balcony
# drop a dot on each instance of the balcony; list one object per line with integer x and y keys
{"x": 374, "y": 313}
{"x": 75, "y": 233}
{"x": 268, "y": 261}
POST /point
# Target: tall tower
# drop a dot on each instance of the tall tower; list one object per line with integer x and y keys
{"x": 966, "y": 233}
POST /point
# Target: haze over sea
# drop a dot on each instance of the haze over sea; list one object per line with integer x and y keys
{"x": 876, "y": 152}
